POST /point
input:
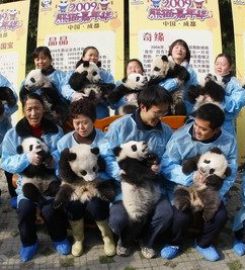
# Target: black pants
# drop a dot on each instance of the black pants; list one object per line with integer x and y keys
{"x": 157, "y": 223}
{"x": 55, "y": 221}
{"x": 97, "y": 209}
{"x": 209, "y": 230}
{"x": 240, "y": 235}
{"x": 11, "y": 188}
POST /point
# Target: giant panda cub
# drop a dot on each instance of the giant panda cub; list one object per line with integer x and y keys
{"x": 210, "y": 169}
{"x": 164, "y": 67}
{"x": 86, "y": 79}
{"x": 79, "y": 167}
{"x": 130, "y": 88}
{"x": 7, "y": 97}
{"x": 140, "y": 185}
{"x": 36, "y": 81}
{"x": 38, "y": 181}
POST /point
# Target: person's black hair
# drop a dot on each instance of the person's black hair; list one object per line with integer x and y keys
{"x": 184, "y": 44}
{"x": 211, "y": 113}
{"x": 154, "y": 95}
{"x": 84, "y": 107}
{"x": 31, "y": 96}
{"x": 42, "y": 49}
{"x": 134, "y": 60}
{"x": 89, "y": 48}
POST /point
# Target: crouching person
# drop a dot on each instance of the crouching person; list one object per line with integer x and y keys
{"x": 83, "y": 114}
{"x": 192, "y": 140}
{"x": 34, "y": 125}
{"x": 128, "y": 137}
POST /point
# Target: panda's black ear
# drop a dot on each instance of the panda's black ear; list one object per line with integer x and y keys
{"x": 72, "y": 156}
{"x": 67, "y": 155}
{"x": 86, "y": 63}
{"x": 190, "y": 165}
{"x": 98, "y": 64}
{"x": 117, "y": 151}
{"x": 216, "y": 150}
{"x": 79, "y": 63}
{"x": 134, "y": 147}
{"x": 19, "y": 149}
{"x": 228, "y": 171}
{"x": 164, "y": 58}
{"x": 95, "y": 151}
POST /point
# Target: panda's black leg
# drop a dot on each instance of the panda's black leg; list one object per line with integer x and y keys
{"x": 52, "y": 188}
{"x": 63, "y": 196}
{"x": 31, "y": 192}
{"x": 182, "y": 199}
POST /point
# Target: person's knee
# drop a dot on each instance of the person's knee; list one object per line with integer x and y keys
{"x": 181, "y": 218}
{"x": 221, "y": 216}
{"x": 98, "y": 209}
{"x": 118, "y": 219}
{"x": 26, "y": 208}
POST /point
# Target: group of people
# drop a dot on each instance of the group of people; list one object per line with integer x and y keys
{"x": 211, "y": 125}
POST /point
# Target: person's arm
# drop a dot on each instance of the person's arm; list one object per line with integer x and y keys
{"x": 232, "y": 163}
{"x": 171, "y": 164}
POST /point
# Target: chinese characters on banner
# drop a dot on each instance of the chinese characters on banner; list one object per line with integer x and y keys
{"x": 163, "y": 21}
{"x": 13, "y": 40}
{"x": 68, "y": 26}
{"x": 238, "y": 10}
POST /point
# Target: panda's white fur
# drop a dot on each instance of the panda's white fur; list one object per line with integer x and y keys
{"x": 135, "y": 81}
{"x": 93, "y": 71}
{"x": 79, "y": 174}
{"x": 37, "y": 146}
{"x": 138, "y": 199}
{"x": 35, "y": 79}
{"x": 211, "y": 170}
{"x": 160, "y": 66}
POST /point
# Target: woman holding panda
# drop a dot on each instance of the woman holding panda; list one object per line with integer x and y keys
{"x": 83, "y": 114}
{"x": 33, "y": 124}
{"x": 180, "y": 53}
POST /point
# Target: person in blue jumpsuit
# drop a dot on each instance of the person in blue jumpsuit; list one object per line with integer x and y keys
{"x": 143, "y": 125}
{"x": 83, "y": 115}
{"x": 191, "y": 140}
{"x": 181, "y": 55}
{"x": 234, "y": 93}
{"x": 33, "y": 124}
{"x": 5, "y": 125}
{"x": 90, "y": 54}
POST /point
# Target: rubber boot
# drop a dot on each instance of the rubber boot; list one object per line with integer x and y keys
{"x": 107, "y": 236}
{"x": 78, "y": 235}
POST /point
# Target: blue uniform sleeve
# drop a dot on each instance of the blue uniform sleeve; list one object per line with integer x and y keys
{"x": 170, "y": 84}
{"x": 12, "y": 162}
{"x": 66, "y": 89}
{"x": 232, "y": 163}
{"x": 171, "y": 166}
{"x": 106, "y": 76}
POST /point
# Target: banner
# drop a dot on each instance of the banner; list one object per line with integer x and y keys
{"x": 238, "y": 10}
{"x": 163, "y": 21}
{"x": 67, "y": 27}
{"x": 13, "y": 40}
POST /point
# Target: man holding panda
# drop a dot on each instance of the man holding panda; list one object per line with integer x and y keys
{"x": 191, "y": 140}
{"x": 143, "y": 125}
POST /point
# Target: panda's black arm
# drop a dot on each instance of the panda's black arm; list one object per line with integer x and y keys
{"x": 118, "y": 93}
{"x": 31, "y": 192}
{"x": 53, "y": 188}
{"x": 23, "y": 93}
{"x": 107, "y": 189}
{"x": 211, "y": 203}
{"x": 77, "y": 80}
{"x": 63, "y": 196}
{"x": 190, "y": 165}
{"x": 182, "y": 200}
{"x": 7, "y": 94}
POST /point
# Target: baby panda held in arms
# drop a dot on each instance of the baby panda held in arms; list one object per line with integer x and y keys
{"x": 210, "y": 169}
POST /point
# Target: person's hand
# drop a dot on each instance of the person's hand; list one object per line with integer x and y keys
{"x": 34, "y": 158}
{"x": 155, "y": 168}
{"x": 76, "y": 96}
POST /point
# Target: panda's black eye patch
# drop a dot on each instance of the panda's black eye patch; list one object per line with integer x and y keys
{"x": 137, "y": 78}
{"x": 83, "y": 173}
{"x": 94, "y": 73}
{"x": 206, "y": 161}
{"x": 32, "y": 80}
{"x": 31, "y": 147}
{"x": 156, "y": 69}
{"x": 211, "y": 171}
{"x": 134, "y": 148}
{"x": 94, "y": 169}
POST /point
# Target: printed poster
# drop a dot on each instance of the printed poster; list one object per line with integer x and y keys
{"x": 238, "y": 10}
{"x": 163, "y": 21}
{"x": 13, "y": 40}
{"x": 68, "y": 26}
